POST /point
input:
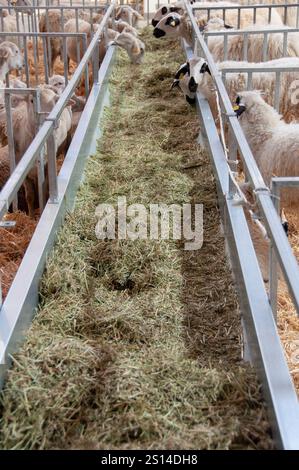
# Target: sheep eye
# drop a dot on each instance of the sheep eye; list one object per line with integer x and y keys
{"x": 164, "y": 10}
{"x": 238, "y": 100}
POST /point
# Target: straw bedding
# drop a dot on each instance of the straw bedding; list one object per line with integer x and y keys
{"x": 136, "y": 344}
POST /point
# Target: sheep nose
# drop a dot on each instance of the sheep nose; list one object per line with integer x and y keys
{"x": 190, "y": 100}
{"x": 154, "y": 22}
{"x": 192, "y": 85}
{"x": 158, "y": 33}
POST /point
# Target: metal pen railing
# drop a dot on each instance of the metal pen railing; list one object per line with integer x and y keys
{"x": 282, "y": 247}
{"x": 41, "y": 42}
{"x": 254, "y": 8}
{"x": 275, "y": 73}
{"x": 45, "y": 134}
{"x": 262, "y": 345}
{"x": 265, "y": 35}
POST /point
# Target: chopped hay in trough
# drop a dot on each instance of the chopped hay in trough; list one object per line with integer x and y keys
{"x": 136, "y": 344}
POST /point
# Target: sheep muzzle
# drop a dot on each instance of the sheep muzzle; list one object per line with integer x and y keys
{"x": 158, "y": 33}
{"x": 239, "y": 109}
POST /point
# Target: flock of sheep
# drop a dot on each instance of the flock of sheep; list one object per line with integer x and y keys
{"x": 273, "y": 141}
{"x": 120, "y": 31}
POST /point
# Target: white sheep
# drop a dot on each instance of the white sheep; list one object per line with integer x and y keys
{"x": 197, "y": 78}
{"x": 122, "y": 26}
{"x": 273, "y": 142}
{"x": 10, "y": 58}
{"x": 24, "y": 129}
{"x": 255, "y": 43}
{"x": 17, "y": 3}
{"x": 128, "y": 14}
{"x": 51, "y": 22}
{"x": 9, "y": 24}
{"x": 291, "y": 15}
{"x": 175, "y": 25}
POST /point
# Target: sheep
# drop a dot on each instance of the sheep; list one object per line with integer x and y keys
{"x": 84, "y": 27}
{"x": 134, "y": 46}
{"x": 57, "y": 82}
{"x": 24, "y": 128}
{"x": 15, "y": 98}
{"x": 197, "y": 78}
{"x": 18, "y": 3}
{"x": 255, "y": 43}
{"x": 178, "y": 7}
{"x": 273, "y": 142}
{"x": 181, "y": 80}
{"x": 10, "y": 25}
{"x": 122, "y": 26}
{"x": 128, "y": 14}
{"x": 51, "y": 22}
{"x": 163, "y": 10}
{"x": 291, "y": 15}
{"x": 10, "y": 58}
{"x": 175, "y": 25}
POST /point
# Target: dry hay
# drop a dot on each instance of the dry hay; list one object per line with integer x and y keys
{"x": 288, "y": 321}
{"x": 13, "y": 244}
{"x": 136, "y": 343}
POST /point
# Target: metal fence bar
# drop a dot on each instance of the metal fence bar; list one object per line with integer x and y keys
{"x": 16, "y": 179}
{"x": 250, "y": 32}
{"x": 22, "y": 299}
{"x": 264, "y": 69}
{"x": 287, "y": 428}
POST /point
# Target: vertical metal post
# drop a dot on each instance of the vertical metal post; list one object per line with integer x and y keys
{"x": 65, "y": 61}
{"x": 52, "y": 169}
{"x": 95, "y": 62}
{"x": 225, "y": 47}
{"x": 40, "y": 162}
{"x": 277, "y": 90}
{"x": 265, "y": 47}
{"x": 245, "y": 47}
{"x": 78, "y": 40}
{"x": 86, "y": 73}
{"x": 26, "y": 62}
{"x": 46, "y": 58}
{"x": 49, "y": 53}
{"x": 249, "y": 81}
{"x": 10, "y": 137}
{"x": 273, "y": 275}
{"x": 35, "y": 58}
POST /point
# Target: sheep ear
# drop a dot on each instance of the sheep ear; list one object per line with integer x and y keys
{"x": 185, "y": 68}
{"x": 4, "y": 52}
{"x": 205, "y": 68}
{"x": 175, "y": 83}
